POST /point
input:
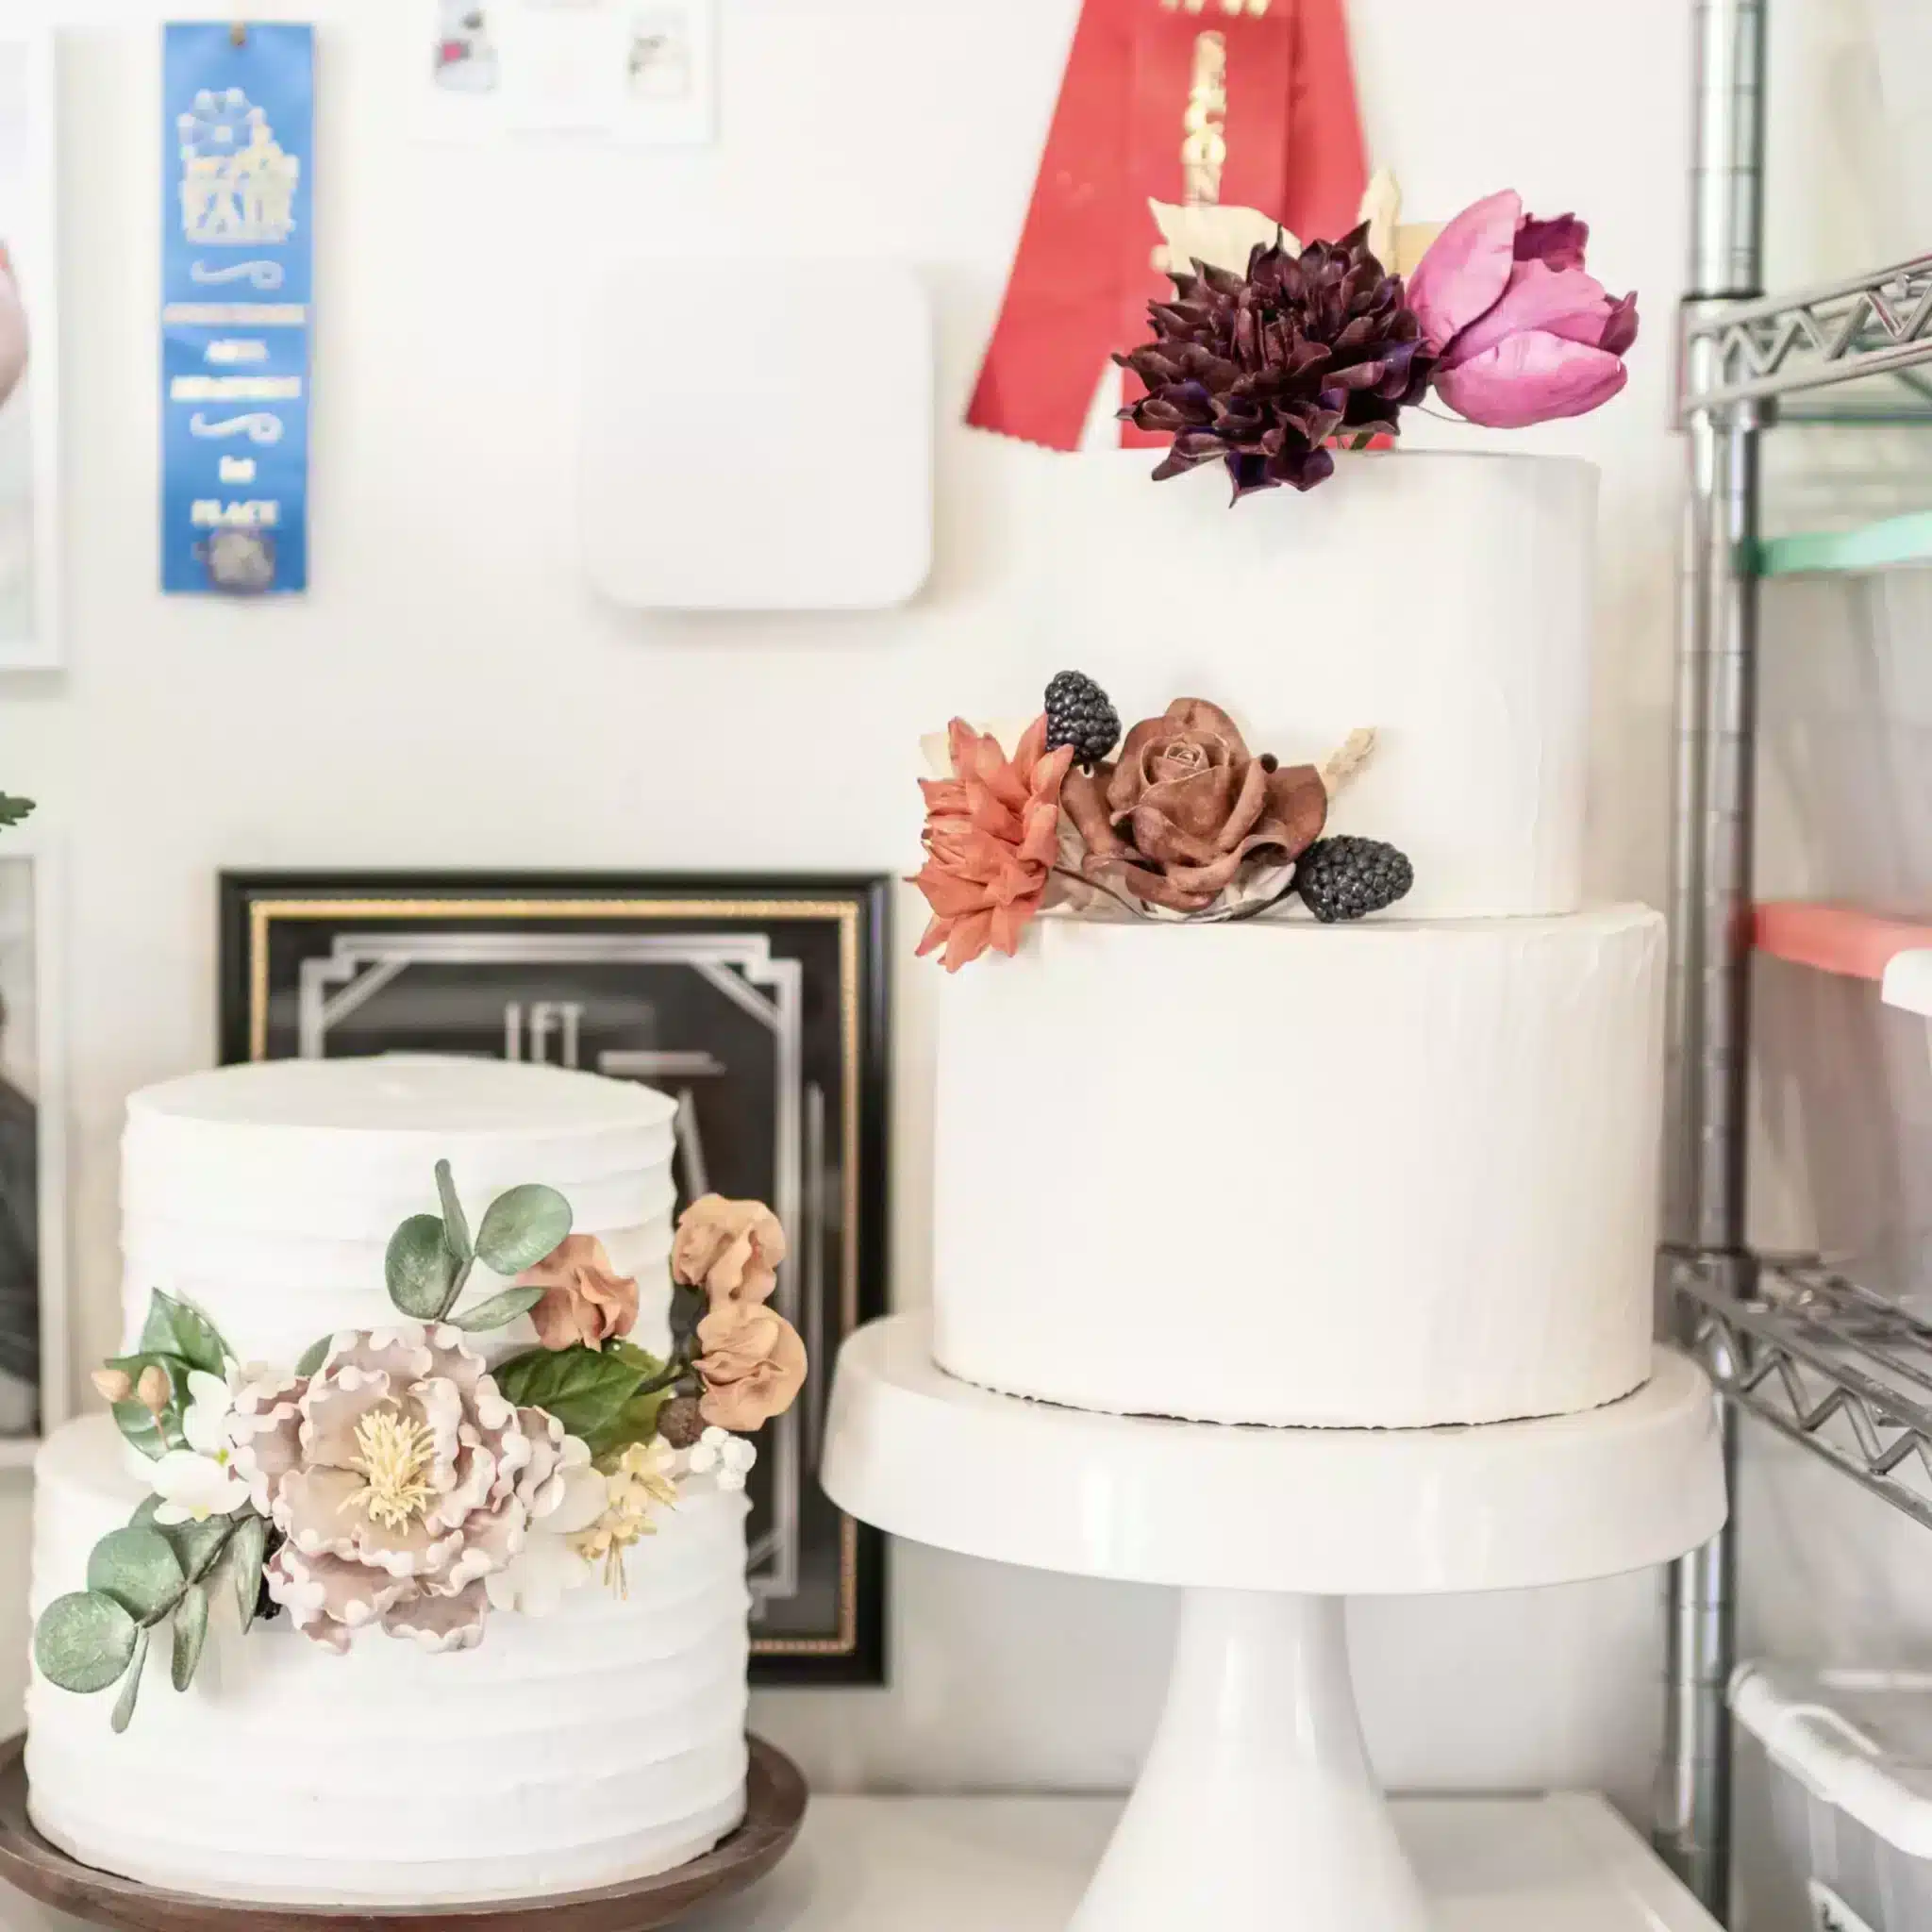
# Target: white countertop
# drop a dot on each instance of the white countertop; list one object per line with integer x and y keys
{"x": 965, "y": 1864}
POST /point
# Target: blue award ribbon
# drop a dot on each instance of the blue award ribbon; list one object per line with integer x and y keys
{"x": 237, "y": 286}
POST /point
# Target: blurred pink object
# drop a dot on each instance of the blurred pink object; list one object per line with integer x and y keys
{"x": 13, "y": 335}
{"x": 1523, "y": 334}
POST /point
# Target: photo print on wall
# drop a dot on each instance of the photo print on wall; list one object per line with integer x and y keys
{"x": 759, "y": 1003}
{"x": 29, "y": 624}
{"x": 33, "y": 1364}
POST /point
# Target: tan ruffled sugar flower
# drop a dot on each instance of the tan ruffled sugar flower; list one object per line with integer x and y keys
{"x": 585, "y": 1300}
{"x": 752, "y": 1363}
{"x": 730, "y": 1249}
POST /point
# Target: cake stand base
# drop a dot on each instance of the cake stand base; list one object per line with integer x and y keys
{"x": 1256, "y": 1807}
{"x": 774, "y": 1809}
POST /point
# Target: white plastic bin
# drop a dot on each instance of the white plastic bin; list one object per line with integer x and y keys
{"x": 1852, "y": 1757}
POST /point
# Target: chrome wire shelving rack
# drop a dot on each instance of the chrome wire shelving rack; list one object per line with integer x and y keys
{"x": 1825, "y": 1361}
{"x": 1828, "y": 1363}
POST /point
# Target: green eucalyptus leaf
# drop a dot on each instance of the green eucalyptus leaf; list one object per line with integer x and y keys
{"x": 139, "y": 1569}
{"x": 498, "y": 1312}
{"x": 521, "y": 1227}
{"x": 584, "y": 1389}
{"x": 246, "y": 1549}
{"x": 314, "y": 1356}
{"x": 176, "y": 1327}
{"x": 141, "y": 1429}
{"x": 83, "y": 1642}
{"x": 13, "y": 810}
{"x": 130, "y": 1684}
{"x": 198, "y": 1546}
{"x": 419, "y": 1268}
{"x": 143, "y": 1517}
{"x": 456, "y": 1223}
{"x": 191, "y": 1633}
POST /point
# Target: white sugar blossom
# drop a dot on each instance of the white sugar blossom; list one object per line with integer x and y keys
{"x": 549, "y": 1567}
{"x": 721, "y": 1454}
{"x": 200, "y": 1481}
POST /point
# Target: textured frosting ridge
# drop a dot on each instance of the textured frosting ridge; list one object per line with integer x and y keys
{"x": 267, "y": 1195}
{"x": 1399, "y": 1174}
{"x": 605, "y": 1742}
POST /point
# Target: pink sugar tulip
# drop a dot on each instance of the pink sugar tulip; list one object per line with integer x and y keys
{"x": 1521, "y": 333}
{"x": 13, "y": 335}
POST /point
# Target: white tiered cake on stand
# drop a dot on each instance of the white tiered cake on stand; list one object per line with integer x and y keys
{"x": 1385, "y": 1187}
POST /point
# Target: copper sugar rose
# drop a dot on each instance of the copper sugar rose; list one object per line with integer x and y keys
{"x": 1186, "y": 807}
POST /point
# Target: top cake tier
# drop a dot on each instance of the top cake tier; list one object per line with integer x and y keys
{"x": 266, "y": 1194}
{"x": 1443, "y": 599}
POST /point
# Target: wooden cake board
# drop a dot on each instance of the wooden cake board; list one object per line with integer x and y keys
{"x": 775, "y": 1801}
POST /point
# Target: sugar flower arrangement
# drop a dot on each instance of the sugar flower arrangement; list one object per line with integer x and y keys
{"x": 1270, "y": 353}
{"x": 393, "y": 1479}
{"x": 1177, "y": 819}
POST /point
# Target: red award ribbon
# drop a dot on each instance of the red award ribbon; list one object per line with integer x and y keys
{"x": 1247, "y": 102}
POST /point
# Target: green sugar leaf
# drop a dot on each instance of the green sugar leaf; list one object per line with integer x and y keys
{"x": 314, "y": 1356}
{"x": 141, "y": 1431}
{"x": 641, "y": 1359}
{"x": 198, "y": 1546}
{"x": 420, "y": 1269}
{"x": 176, "y": 1328}
{"x": 139, "y": 1569}
{"x": 456, "y": 1223}
{"x": 498, "y": 1312}
{"x": 246, "y": 1548}
{"x": 130, "y": 1684}
{"x": 585, "y": 1389}
{"x": 521, "y": 1227}
{"x": 83, "y": 1642}
{"x": 191, "y": 1633}
{"x": 636, "y": 1421}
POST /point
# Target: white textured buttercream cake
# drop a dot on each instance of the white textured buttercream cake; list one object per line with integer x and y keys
{"x": 504, "y": 1640}
{"x": 1316, "y": 1095}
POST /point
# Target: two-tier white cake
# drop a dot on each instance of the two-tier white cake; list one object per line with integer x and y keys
{"x": 601, "y": 1743}
{"x": 1392, "y": 1173}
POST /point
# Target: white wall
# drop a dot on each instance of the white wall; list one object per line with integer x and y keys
{"x": 450, "y": 695}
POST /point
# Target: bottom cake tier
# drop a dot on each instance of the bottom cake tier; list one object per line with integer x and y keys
{"x": 600, "y": 1744}
{"x": 1391, "y": 1175}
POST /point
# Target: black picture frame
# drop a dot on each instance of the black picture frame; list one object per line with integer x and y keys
{"x": 676, "y": 975}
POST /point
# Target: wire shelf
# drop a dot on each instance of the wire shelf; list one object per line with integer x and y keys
{"x": 1828, "y": 1363}
{"x": 1872, "y": 325}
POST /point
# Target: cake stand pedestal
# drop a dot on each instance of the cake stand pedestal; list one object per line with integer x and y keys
{"x": 1256, "y": 1806}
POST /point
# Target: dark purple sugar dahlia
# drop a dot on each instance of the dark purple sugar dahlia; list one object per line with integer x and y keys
{"x": 1258, "y": 370}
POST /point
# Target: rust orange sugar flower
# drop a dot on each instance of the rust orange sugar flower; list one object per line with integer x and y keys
{"x": 992, "y": 833}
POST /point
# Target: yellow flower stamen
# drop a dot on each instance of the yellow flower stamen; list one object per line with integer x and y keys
{"x": 638, "y": 1483}
{"x": 395, "y": 1456}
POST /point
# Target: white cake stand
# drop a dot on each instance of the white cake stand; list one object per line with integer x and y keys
{"x": 1257, "y": 1807}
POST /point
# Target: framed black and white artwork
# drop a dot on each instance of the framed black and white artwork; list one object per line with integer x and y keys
{"x": 757, "y": 1003}
{"x": 33, "y": 1207}
{"x": 29, "y": 344}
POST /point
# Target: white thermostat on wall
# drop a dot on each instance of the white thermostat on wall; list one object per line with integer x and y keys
{"x": 759, "y": 436}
